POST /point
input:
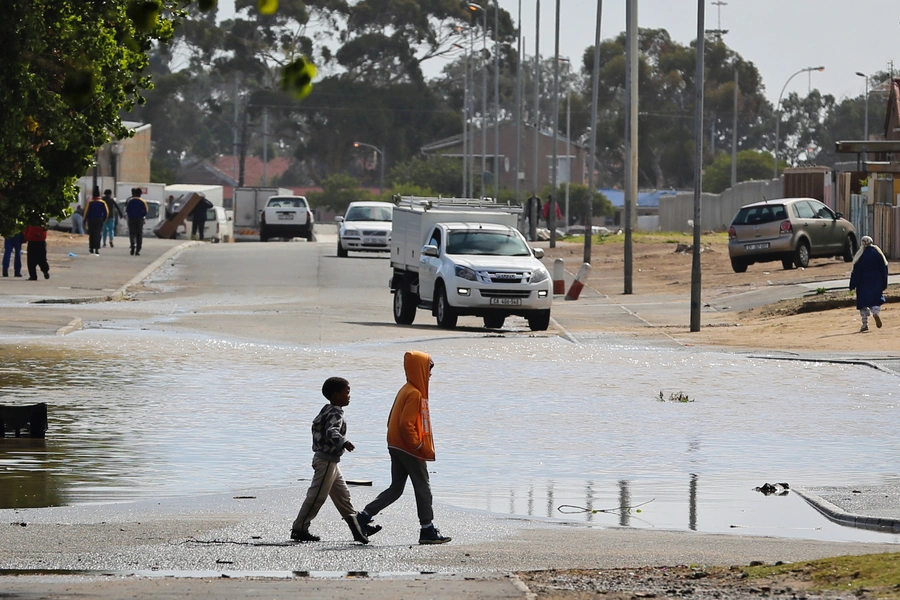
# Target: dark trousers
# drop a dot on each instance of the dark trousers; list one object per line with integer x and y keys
{"x": 12, "y": 248}
{"x": 136, "y": 233}
{"x": 37, "y": 257}
{"x": 198, "y": 227}
{"x": 95, "y": 230}
{"x": 402, "y": 466}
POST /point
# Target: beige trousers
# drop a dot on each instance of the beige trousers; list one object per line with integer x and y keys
{"x": 327, "y": 481}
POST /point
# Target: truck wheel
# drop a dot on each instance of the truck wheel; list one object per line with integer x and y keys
{"x": 341, "y": 252}
{"x": 405, "y": 304}
{"x": 446, "y": 316}
{"x": 539, "y": 320}
{"x": 494, "y": 321}
{"x": 263, "y": 235}
{"x": 309, "y": 235}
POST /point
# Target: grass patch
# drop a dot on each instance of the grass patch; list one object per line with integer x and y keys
{"x": 876, "y": 574}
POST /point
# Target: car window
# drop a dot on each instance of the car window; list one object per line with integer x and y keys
{"x": 754, "y": 215}
{"x": 821, "y": 211}
{"x": 286, "y": 203}
{"x": 490, "y": 243}
{"x": 369, "y": 213}
{"x": 435, "y": 239}
{"x": 804, "y": 210}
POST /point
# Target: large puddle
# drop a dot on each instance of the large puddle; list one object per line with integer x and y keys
{"x": 522, "y": 426}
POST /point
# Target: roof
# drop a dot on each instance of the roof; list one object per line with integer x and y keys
{"x": 253, "y": 169}
{"x": 645, "y": 199}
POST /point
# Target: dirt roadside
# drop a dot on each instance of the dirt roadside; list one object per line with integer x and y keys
{"x": 821, "y": 322}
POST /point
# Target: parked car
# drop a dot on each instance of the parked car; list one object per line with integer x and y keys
{"x": 366, "y": 227}
{"x": 791, "y": 230}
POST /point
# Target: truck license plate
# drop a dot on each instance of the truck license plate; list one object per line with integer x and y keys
{"x": 285, "y": 216}
{"x": 507, "y": 301}
{"x": 764, "y": 246}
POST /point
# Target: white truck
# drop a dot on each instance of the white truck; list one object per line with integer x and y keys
{"x": 457, "y": 256}
{"x": 248, "y": 204}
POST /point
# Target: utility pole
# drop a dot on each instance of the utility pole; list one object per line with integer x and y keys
{"x": 265, "y": 145}
{"x": 631, "y": 137}
{"x": 496, "y": 168}
{"x": 551, "y": 209}
{"x": 595, "y": 93}
{"x": 734, "y": 134}
{"x": 534, "y": 214}
{"x": 698, "y": 170}
{"x": 518, "y": 115}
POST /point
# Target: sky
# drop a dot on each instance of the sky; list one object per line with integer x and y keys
{"x": 779, "y": 36}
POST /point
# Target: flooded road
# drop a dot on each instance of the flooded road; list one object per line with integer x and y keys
{"x": 522, "y": 425}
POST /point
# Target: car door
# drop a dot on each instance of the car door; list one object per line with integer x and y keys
{"x": 429, "y": 265}
{"x": 810, "y": 225}
{"x": 832, "y": 235}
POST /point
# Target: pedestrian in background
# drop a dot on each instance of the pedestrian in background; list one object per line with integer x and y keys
{"x": 112, "y": 219}
{"x": 869, "y": 278}
{"x": 78, "y": 220}
{"x": 136, "y": 209}
{"x": 199, "y": 218}
{"x": 12, "y": 248}
{"x": 170, "y": 208}
{"x": 36, "y": 236}
{"x": 410, "y": 445}
{"x": 95, "y": 213}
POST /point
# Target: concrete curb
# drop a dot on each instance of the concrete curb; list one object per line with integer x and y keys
{"x": 120, "y": 293}
{"x": 842, "y": 517}
{"x": 74, "y": 324}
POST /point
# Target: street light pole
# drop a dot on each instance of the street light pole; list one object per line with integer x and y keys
{"x": 866, "y": 124}
{"x": 381, "y": 163}
{"x": 778, "y": 111}
{"x": 465, "y": 116}
{"x": 473, "y": 6}
{"x": 518, "y": 101}
{"x": 533, "y": 213}
{"x": 496, "y": 101}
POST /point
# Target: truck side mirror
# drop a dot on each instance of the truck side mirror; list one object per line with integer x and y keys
{"x": 429, "y": 250}
{"x": 538, "y": 252}
{"x": 339, "y": 219}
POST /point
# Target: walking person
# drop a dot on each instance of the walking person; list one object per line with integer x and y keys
{"x": 78, "y": 220}
{"x": 869, "y": 278}
{"x": 410, "y": 445}
{"x": 136, "y": 209}
{"x": 95, "y": 213}
{"x": 198, "y": 215}
{"x": 12, "y": 248}
{"x": 36, "y": 236}
{"x": 329, "y": 431}
{"x": 112, "y": 219}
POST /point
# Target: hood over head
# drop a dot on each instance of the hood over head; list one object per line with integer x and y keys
{"x": 418, "y": 368}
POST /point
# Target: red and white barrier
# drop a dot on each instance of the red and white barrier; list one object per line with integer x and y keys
{"x": 559, "y": 277}
{"x": 578, "y": 284}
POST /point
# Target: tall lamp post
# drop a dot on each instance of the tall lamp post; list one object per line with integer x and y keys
{"x": 465, "y": 116}
{"x": 496, "y": 100}
{"x": 568, "y": 144}
{"x": 381, "y": 163}
{"x": 476, "y": 7}
{"x": 778, "y": 111}
{"x": 866, "y": 124}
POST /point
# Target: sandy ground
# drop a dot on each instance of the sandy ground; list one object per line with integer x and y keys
{"x": 659, "y": 269}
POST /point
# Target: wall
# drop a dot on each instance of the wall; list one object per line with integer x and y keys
{"x": 716, "y": 210}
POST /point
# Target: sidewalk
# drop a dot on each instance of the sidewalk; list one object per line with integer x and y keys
{"x": 75, "y": 277}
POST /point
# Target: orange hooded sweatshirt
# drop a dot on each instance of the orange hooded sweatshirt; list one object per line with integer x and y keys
{"x": 409, "y": 425}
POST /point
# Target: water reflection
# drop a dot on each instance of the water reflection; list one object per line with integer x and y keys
{"x": 141, "y": 414}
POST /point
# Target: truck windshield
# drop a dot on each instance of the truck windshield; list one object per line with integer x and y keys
{"x": 368, "y": 213}
{"x": 488, "y": 243}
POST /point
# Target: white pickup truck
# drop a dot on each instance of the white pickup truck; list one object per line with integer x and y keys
{"x": 286, "y": 217}
{"x": 459, "y": 256}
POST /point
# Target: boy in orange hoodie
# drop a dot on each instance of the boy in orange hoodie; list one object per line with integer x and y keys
{"x": 410, "y": 445}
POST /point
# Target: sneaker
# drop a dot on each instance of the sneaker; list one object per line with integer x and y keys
{"x": 132, "y": 250}
{"x": 877, "y": 321}
{"x": 371, "y": 529}
{"x": 303, "y": 536}
{"x": 46, "y": 274}
{"x": 104, "y": 244}
{"x": 32, "y": 279}
{"x": 431, "y": 535}
{"x": 863, "y": 328}
{"x": 356, "y": 529}
{"x": 137, "y": 252}
{"x": 17, "y": 275}
{"x": 111, "y": 244}
{"x": 6, "y": 273}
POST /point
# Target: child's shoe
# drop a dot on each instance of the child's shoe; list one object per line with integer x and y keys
{"x": 356, "y": 529}
{"x": 303, "y": 536}
{"x": 431, "y": 535}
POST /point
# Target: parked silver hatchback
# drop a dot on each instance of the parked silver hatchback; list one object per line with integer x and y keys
{"x": 791, "y": 230}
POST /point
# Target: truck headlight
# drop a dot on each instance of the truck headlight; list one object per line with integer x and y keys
{"x": 466, "y": 273}
{"x": 540, "y": 275}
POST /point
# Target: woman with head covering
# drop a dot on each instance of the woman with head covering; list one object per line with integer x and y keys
{"x": 869, "y": 278}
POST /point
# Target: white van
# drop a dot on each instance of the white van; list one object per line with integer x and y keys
{"x": 219, "y": 226}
